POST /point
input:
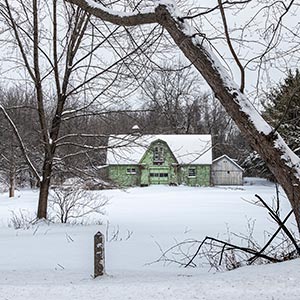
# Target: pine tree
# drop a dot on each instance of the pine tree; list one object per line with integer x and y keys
{"x": 282, "y": 111}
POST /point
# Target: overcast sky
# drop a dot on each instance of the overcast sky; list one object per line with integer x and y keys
{"x": 249, "y": 39}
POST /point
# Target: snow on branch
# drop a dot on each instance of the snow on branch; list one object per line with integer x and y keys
{"x": 169, "y": 7}
{"x": 116, "y": 17}
{"x": 198, "y": 50}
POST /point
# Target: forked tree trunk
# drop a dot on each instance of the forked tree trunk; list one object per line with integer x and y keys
{"x": 60, "y": 64}
{"x": 48, "y": 161}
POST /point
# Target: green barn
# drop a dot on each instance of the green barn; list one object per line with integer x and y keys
{"x": 135, "y": 160}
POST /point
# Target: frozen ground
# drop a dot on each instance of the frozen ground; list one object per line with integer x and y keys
{"x": 56, "y": 261}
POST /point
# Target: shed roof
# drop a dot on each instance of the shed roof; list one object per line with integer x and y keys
{"x": 187, "y": 148}
{"x": 224, "y": 156}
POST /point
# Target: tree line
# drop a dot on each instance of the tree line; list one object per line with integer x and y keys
{"x": 176, "y": 106}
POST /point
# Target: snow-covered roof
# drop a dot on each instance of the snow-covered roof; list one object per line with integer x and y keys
{"x": 228, "y": 158}
{"x": 187, "y": 148}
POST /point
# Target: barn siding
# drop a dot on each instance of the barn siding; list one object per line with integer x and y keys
{"x": 202, "y": 177}
{"x": 175, "y": 174}
{"x": 225, "y": 172}
{"x": 167, "y": 166}
{"x": 119, "y": 175}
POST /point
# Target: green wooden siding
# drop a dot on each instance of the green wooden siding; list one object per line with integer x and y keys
{"x": 155, "y": 173}
{"x": 201, "y": 178}
{"x": 152, "y": 169}
{"x": 119, "y": 175}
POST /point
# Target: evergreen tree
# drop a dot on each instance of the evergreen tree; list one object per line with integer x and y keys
{"x": 282, "y": 111}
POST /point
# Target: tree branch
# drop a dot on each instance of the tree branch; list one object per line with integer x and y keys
{"x": 118, "y": 18}
{"x": 20, "y": 141}
{"x": 238, "y": 62}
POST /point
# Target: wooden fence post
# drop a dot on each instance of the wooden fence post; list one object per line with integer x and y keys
{"x": 98, "y": 254}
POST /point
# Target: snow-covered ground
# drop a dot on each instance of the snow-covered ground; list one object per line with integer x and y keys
{"x": 56, "y": 261}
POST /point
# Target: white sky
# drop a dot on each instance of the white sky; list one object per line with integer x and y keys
{"x": 256, "y": 38}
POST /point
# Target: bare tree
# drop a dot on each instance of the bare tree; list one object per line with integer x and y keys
{"x": 172, "y": 93}
{"x": 72, "y": 204}
{"x": 22, "y": 114}
{"x": 57, "y": 45}
{"x": 283, "y": 163}
{"x": 178, "y": 103}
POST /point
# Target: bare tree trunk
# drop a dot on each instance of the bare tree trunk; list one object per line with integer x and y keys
{"x": 44, "y": 189}
{"x": 282, "y": 162}
{"x": 43, "y": 199}
{"x": 12, "y": 180}
{"x": 264, "y": 144}
{"x": 67, "y": 57}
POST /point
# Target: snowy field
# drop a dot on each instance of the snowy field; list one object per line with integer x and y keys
{"x": 56, "y": 261}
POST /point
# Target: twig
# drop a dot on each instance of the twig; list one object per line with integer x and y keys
{"x": 280, "y": 223}
{"x": 253, "y": 258}
{"x": 244, "y": 249}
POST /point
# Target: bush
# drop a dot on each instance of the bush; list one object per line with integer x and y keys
{"x": 22, "y": 219}
{"x": 75, "y": 205}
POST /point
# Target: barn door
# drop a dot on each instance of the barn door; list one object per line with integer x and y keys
{"x": 159, "y": 175}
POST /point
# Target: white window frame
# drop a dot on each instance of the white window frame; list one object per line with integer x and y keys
{"x": 131, "y": 171}
{"x": 193, "y": 169}
{"x": 158, "y": 154}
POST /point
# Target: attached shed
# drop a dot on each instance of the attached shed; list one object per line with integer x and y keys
{"x": 225, "y": 171}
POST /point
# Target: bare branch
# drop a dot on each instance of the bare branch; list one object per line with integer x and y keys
{"x": 238, "y": 62}
{"x": 121, "y": 18}
{"x": 22, "y": 146}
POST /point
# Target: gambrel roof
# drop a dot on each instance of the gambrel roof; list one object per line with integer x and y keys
{"x": 187, "y": 148}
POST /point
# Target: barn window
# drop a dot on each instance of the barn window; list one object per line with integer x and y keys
{"x": 159, "y": 175}
{"x": 163, "y": 174}
{"x": 158, "y": 155}
{"x": 154, "y": 174}
{"x": 192, "y": 172}
{"x": 131, "y": 171}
